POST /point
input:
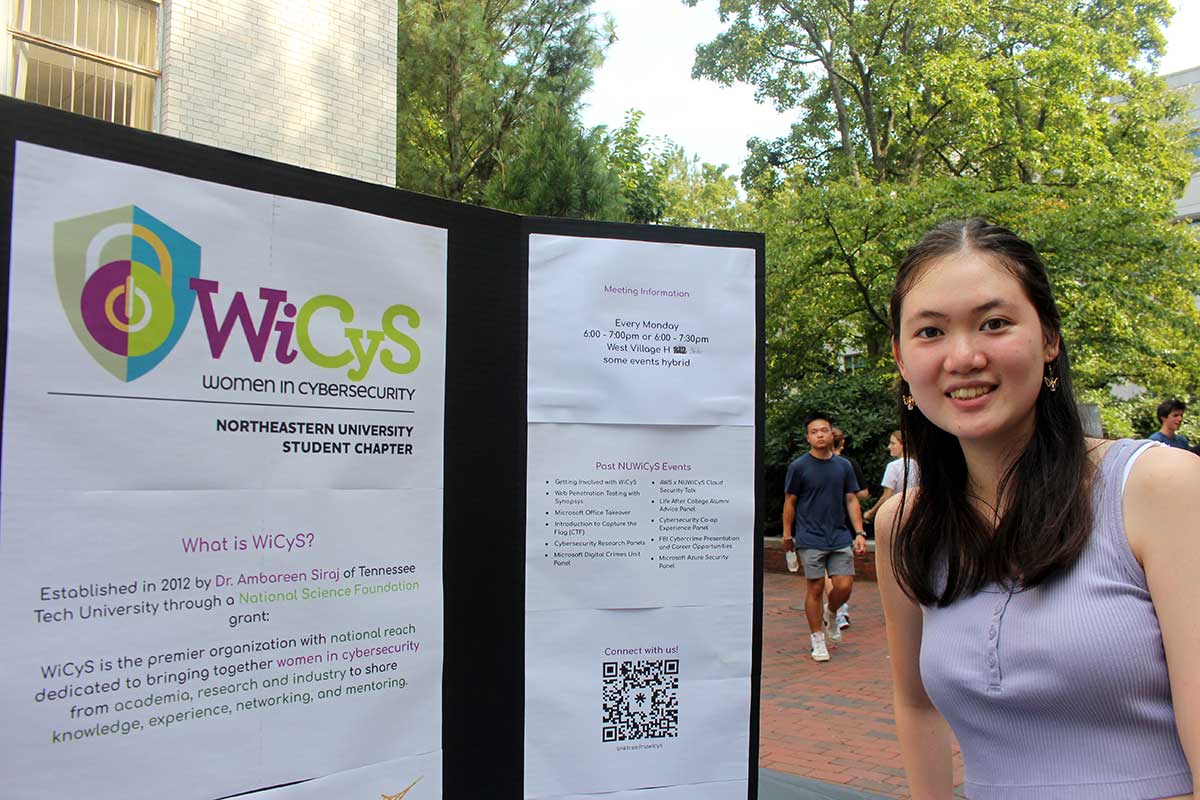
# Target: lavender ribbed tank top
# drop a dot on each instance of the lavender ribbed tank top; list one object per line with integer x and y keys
{"x": 1061, "y": 691}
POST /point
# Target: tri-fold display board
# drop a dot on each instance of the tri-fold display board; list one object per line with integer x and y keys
{"x": 317, "y": 489}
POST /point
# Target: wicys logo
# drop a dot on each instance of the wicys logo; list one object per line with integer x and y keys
{"x": 123, "y": 279}
{"x": 128, "y": 283}
{"x": 360, "y": 347}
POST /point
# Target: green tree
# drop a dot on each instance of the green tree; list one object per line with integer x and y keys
{"x": 1019, "y": 92}
{"x": 1039, "y": 115}
{"x": 1137, "y": 417}
{"x": 641, "y": 164}
{"x": 860, "y": 404}
{"x": 700, "y": 195}
{"x": 472, "y": 73}
{"x": 1125, "y": 278}
{"x": 556, "y": 168}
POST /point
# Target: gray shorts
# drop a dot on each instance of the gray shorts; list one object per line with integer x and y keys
{"x": 834, "y": 562}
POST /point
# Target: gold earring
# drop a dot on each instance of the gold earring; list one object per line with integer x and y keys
{"x": 908, "y": 401}
{"x": 1050, "y": 379}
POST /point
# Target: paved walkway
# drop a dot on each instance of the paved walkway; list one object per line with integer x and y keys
{"x": 833, "y": 721}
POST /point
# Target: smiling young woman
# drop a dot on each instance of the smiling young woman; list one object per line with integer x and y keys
{"x": 1039, "y": 587}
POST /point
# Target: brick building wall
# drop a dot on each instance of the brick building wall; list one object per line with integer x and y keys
{"x": 306, "y": 82}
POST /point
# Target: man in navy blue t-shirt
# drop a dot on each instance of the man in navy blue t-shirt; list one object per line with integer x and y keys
{"x": 1170, "y": 416}
{"x": 819, "y": 492}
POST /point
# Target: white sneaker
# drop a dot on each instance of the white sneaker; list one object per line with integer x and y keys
{"x": 819, "y": 651}
{"x": 843, "y": 619}
{"x": 832, "y": 631}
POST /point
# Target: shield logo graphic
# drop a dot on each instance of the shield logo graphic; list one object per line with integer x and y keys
{"x": 122, "y": 279}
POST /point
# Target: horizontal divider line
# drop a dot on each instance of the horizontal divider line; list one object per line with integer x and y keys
{"x": 231, "y": 402}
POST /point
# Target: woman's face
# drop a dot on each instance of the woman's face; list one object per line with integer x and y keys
{"x": 894, "y": 447}
{"x": 972, "y": 349}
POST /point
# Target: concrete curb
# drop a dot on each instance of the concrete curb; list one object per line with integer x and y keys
{"x": 774, "y": 785}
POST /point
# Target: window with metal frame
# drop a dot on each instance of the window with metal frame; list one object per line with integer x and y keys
{"x": 93, "y": 57}
{"x": 854, "y": 362}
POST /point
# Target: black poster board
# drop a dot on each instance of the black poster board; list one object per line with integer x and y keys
{"x": 485, "y": 419}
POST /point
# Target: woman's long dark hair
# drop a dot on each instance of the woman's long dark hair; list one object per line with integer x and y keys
{"x": 945, "y": 548}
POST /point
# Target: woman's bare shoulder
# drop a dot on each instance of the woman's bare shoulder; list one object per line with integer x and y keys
{"x": 1164, "y": 474}
{"x": 1160, "y": 495}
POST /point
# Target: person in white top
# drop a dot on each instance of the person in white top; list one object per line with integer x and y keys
{"x": 893, "y": 474}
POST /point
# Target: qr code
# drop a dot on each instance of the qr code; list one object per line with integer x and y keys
{"x": 641, "y": 700}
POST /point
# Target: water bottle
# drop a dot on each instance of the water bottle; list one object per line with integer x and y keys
{"x": 792, "y": 562}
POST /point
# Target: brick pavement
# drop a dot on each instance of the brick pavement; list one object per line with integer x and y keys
{"x": 833, "y": 721}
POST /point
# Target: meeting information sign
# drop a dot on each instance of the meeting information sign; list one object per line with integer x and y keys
{"x": 640, "y": 518}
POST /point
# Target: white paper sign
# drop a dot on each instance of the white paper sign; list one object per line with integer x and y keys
{"x": 625, "y": 516}
{"x": 221, "y": 516}
{"x": 640, "y": 332}
{"x": 640, "y": 519}
{"x": 620, "y": 700}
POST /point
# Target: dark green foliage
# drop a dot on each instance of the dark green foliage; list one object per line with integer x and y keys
{"x": 641, "y": 165}
{"x": 861, "y": 404}
{"x": 701, "y": 195}
{"x": 1137, "y": 417}
{"x": 558, "y": 169}
{"x": 1123, "y": 274}
{"x": 487, "y": 111}
{"x": 471, "y": 74}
